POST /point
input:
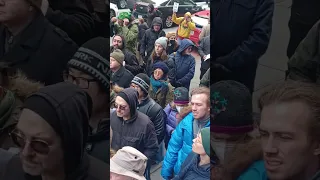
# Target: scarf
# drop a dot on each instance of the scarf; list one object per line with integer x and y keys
{"x": 7, "y": 105}
{"x": 158, "y": 84}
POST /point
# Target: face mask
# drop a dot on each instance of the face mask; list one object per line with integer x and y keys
{"x": 222, "y": 148}
{"x": 172, "y": 42}
{"x": 178, "y": 108}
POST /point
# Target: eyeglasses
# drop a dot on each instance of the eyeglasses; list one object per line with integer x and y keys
{"x": 121, "y": 107}
{"x": 39, "y": 146}
{"x": 79, "y": 81}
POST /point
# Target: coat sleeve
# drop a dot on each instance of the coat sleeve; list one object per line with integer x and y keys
{"x": 159, "y": 125}
{"x": 167, "y": 110}
{"x": 175, "y": 19}
{"x": 205, "y": 81}
{"x": 255, "y": 46}
{"x": 303, "y": 64}
{"x": 143, "y": 43}
{"x": 192, "y": 25}
{"x": 187, "y": 78}
{"x": 75, "y": 19}
{"x": 172, "y": 69}
{"x": 200, "y": 49}
{"x": 175, "y": 144}
{"x": 131, "y": 34}
{"x": 151, "y": 143}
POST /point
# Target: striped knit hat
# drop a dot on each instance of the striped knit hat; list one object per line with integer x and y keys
{"x": 231, "y": 108}
{"x": 91, "y": 58}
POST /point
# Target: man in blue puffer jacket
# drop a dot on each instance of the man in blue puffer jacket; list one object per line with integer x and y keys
{"x": 182, "y": 65}
{"x": 180, "y": 144}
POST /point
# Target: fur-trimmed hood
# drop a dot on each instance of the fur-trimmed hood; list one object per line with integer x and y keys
{"x": 21, "y": 86}
{"x": 183, "y": 113}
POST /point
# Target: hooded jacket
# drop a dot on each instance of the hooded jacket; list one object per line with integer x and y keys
{"x": 150, "y": 37}
{"x": 182, "y": 67}
{"x": 71, "y": 104}
{"x": 137, "y": 132}
{"x": 191, "y": 170}
{"x": 130, "y": 33}
{"x": 185, "y": 27}
{"x": 131, "y": 61}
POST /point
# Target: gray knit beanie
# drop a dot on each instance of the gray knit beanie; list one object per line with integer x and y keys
{"x": 163, "y": 41}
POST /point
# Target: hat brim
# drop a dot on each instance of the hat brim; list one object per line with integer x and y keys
{"x": 115, "y": 168}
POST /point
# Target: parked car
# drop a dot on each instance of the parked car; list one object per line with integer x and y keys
{"x": 200, "y": 19}
{"x": 140, "y": 9}
{"x": 114, "y": 11}
{"x": 125, "y": 4}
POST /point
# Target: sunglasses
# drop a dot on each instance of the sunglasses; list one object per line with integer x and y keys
{"x": 39, "y": 146}
{"x": 121, "y": 107}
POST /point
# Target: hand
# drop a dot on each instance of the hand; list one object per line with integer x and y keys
{"x": 44, "y": 6}
{"x": 126, "y": 22}
{"x": 114, "y": 19}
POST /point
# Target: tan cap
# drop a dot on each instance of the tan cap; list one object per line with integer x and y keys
{"x": 130, "y": 162}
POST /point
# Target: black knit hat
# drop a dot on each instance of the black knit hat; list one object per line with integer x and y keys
{"x": 231, "y": 108}
{"x": 181, "y": 95}
{"x": 143, "y": 81}
{"x": 91, "y": 58}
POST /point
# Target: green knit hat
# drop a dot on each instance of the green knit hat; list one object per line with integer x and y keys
{"x": 205, "y": 135}
{"x": 124, "y": 15}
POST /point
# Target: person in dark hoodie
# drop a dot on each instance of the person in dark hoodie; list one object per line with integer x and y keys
{"x": 131, "y": 61}
{"x": 151, "y": 35}
{"x": 152, "y": 13}
{"x": 236, "y": 54}
{"x": 186, "y": 63}
{"x": 44, "y": 56}
{"x": 120, "y": 75}
{"x": 93, "y": 77}
{"x": 197, "y": 164}
{"x": 149, "y": 107}
{"x": 131, "y": 127}
{"x": 51, "y": 135}
{"x": 72, "y": 16}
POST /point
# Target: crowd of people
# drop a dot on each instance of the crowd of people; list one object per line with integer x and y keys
{"x": 154, "y": 109}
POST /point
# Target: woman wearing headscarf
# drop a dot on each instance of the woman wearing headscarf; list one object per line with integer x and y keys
{"x": 51, "y": 135}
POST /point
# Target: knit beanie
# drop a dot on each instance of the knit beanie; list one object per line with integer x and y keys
{"x": 231, "y": 108}
{"x": 163, "y": 41}
{"x": 118, "y": 55}
{"x": 181, "y": 95}
{"x": 143, "y": 81}
{"x": 91, "y": 59}
{"x": 205, "y": 136}
{"x": 162, "y": 66}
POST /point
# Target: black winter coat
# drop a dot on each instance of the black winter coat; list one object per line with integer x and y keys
{"x": 73, "y": 17}
{"x": 122, "y": 77}
{"x": 156, "y": 114}
{"x": 239, "y": 52}
{"x": 41, "y": 52}
{"x": 138, "y": 132}
{"x": 150, "y": 37}
{"x": 204, "y": 49}
{"x": 131, "y": 61}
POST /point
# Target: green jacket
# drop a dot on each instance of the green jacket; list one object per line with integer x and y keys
{"x": 130, "y": 33}
{"x": 305, "y": 63}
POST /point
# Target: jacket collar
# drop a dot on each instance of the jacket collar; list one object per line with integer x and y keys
{"x": 119, "y": 73}
{"x": 25, "y": 44}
